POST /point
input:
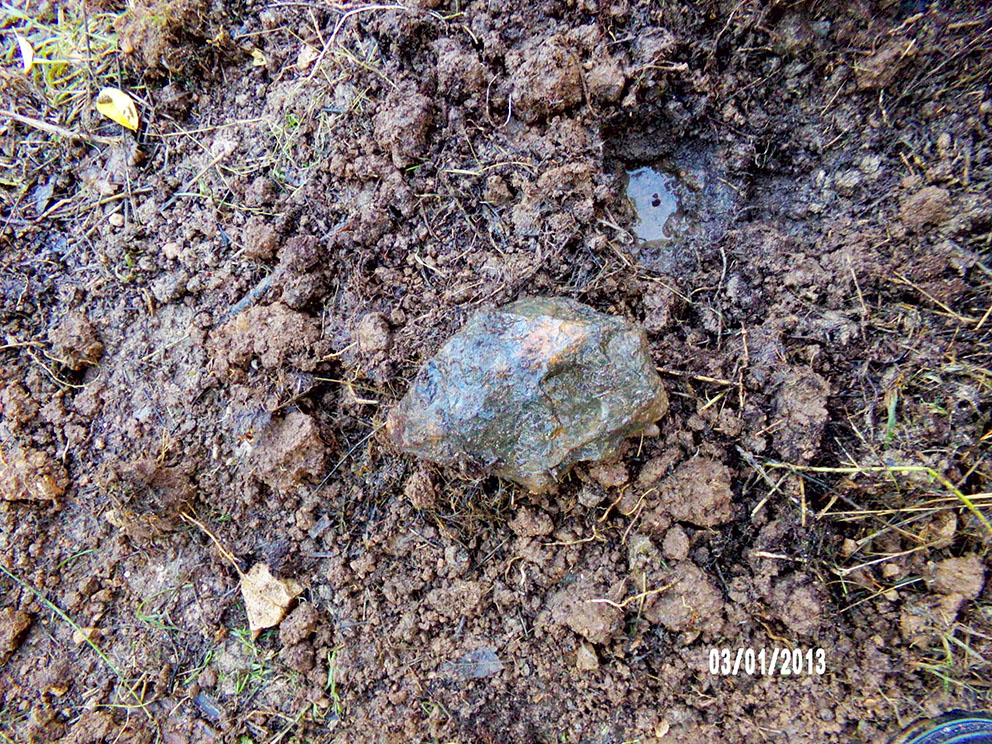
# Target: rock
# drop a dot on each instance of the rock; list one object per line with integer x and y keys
{"x": 266, "y": 597}
{"x": 528, "y": 390}
{"x": 75, "y": 341}
{"x": 547, "y": 81}
{"x": 928, "y": 206}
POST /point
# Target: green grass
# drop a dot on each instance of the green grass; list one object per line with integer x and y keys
{"x": 332, "y": 684}
{"x": 260, "y": 667}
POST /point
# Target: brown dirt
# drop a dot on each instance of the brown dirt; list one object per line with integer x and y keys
{"x": 196, "y": 371}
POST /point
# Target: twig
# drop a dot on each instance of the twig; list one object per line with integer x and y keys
{"x": 55, "y": 129}
{"x": 634, "y": 597}
{"x": 223, "y": 551}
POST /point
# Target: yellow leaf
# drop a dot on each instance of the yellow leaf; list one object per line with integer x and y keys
{"x": 119, "y": 106}
{"x": 27, "y": 52}
{"x": 257, "y": 58}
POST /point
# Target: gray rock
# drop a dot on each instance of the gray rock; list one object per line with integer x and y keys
{"x": 528, "y": 390}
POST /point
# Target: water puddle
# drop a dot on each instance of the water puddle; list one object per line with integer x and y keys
{"x": 653, "y": 195}
{"x": 679, "y": 219}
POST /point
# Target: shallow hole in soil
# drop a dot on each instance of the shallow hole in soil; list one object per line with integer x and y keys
{"x": 681, "y": 207}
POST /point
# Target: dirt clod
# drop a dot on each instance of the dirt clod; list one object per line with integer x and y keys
{"x": 289, "y": 451}
{"x": 675, "y": 546}
{"x": 585, "y": 658}
{"x": 606, "y": 81}
{"x": 273, "y": 334}
{"x": 692, "y": 604}
{"x": 800, "y": 415}
{"x": 75, "y": 341}
{"x": 798, "y": 604}
{"x": 596, "y": 621}
{"x": 546, "y": 81}
{"x": 299, "y": 624}
{"x": 260, "y": 239}
{"x": 373, "y": 334}
{"x": 964, "y": 576}
{"x": 14, "y": 625}
{"x": 928, "y": 206}
{"x": 419, "y": 489}
{"x": 698, "y": 492}
{"x": 881, "y": 68}
{"x": 31, "y": 475}
{"x": 530, "y": 523}
{"x": 401, "y": 128}
{"x": 609, "y": 475}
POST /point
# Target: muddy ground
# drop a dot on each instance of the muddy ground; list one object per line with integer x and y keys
{"x": 206, "y": 322}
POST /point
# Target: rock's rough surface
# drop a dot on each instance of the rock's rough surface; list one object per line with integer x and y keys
{"x": 528, "y": 390}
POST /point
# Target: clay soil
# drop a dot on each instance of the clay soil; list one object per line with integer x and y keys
{"x": 205, "y": 323}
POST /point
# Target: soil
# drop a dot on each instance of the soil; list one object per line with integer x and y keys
{"x": 206, "y": 324}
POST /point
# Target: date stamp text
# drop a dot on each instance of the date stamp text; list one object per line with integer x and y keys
{"x": 780, "y": 662}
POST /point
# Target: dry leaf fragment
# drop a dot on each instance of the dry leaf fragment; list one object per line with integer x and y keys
{"x": 27, "y": 52}
{"x": 258, "y": 59}
{"x": 266, "y": 597}
{"x": 117, "y": 105}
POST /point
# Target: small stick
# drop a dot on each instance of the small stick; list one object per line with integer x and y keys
{"x": 223, "y": 551}
{"x": 55, "y": 129}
